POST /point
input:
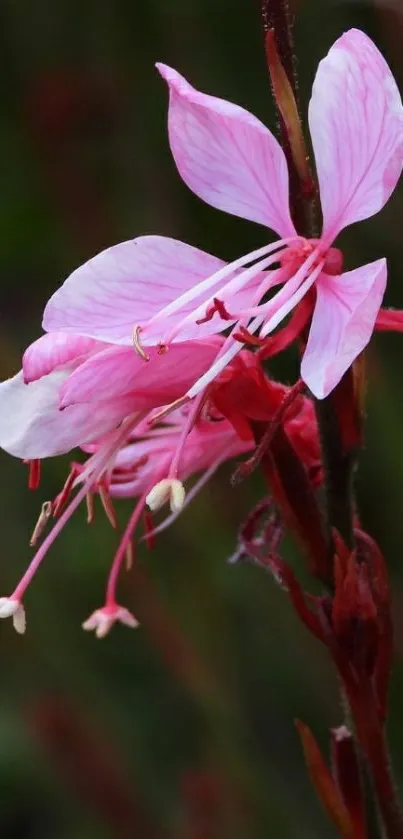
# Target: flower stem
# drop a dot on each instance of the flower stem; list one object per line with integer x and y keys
{"x": 339, "y": 469}
{"x": 339, "y": 465}
{"x": 340, "y": 422}
{"x": 372, "y": 739}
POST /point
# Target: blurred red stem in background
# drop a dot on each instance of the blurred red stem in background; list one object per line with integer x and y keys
{"x": 92, "y": 768}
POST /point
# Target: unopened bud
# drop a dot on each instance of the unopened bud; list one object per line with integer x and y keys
{"x": 169, "y": 489}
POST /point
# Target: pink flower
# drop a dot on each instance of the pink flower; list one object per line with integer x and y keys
{"x": 174, "y": 292}
{"x": 72, "y": 390}
{"x": 146, "y": 455}
{"x": 134, "y": 458}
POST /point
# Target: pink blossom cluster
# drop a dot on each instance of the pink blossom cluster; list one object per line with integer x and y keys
{"x": 151, "y": 361}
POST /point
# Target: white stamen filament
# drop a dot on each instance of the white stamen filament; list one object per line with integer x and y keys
{"x": 187, "y": 427}
{"x": 100, "y": 463}
{"x": 221, "y": 361}
{"x": 215, "y": 278}
{"x": 287, "y": 294}
{"x": 127, "y": 426}
{"x": 284, "y": 310}
{"x": 231, "y": 287}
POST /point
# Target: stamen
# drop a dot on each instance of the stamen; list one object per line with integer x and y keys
{"x": 274, "y": 344}
{"x": 289, "y": 304}
{"x": 104, "y": 455}
{"x": 40, "y": 554}
{"x": 168, "y": 409}
{"x": 137, "y": 345}
{"x": 99, "y": 464}
{"x": 291, "y": 293}
{"x": 129, "y": 556}
{"x": 61, "y": 499}
{"x": 107, "y": 503}
{"x": 187, "y": 427}
{"x": 167, "y": 489}
{"x": 247, "y": 467}
{"x": 219, "y": 275}
{"x": 223, "y": 358}
{"x": 89, "y": 500}
{"x": 234, "y": 285}
{"x": 122, "y": 549}
{"x": 190, "y": 495}
{"x": 43, "y": 518}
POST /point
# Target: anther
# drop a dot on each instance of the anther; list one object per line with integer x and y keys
{"x": 43, "y": 518}
{"x": 89, "y": 500}
{"x": 137, "y": 344}
{"x": 168, "y": 410}
{"x": 129, "y": 556}
{"x": 61, "y": 499}
{"x": 107, "y": 503}
{"x": 169, "y": 489}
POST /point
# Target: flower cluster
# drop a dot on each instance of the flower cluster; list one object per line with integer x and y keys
{"x": 133, "y": 367}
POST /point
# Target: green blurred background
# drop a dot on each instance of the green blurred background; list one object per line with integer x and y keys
{"x": 184, "y": 728}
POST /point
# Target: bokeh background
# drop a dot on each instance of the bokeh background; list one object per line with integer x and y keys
{"x": 184, "y": 728}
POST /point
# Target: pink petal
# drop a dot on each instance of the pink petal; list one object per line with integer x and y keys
{"x": 54, "y": 350}
{"x": 227, "y": 156}
{"x": 208, "y": 445}
{"x": 342, "y": 324}
{"x": 32, "y": 426}
{"x": 152, "y": 383}
{"x": 126, "y": 285}
{"x": 356, "y": 121}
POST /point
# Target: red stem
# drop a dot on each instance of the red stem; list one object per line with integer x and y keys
{"x": 371, "y": 736}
